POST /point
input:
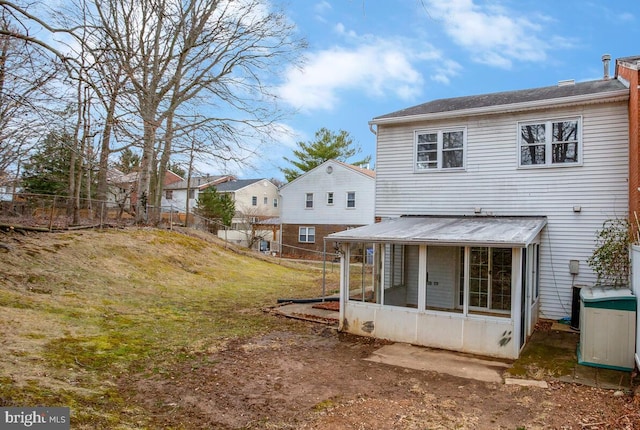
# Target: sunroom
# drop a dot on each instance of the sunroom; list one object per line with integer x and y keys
{"x": 467, "y": 284}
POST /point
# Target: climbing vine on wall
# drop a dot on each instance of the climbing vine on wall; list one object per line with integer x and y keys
{"x": 610, "y": 259}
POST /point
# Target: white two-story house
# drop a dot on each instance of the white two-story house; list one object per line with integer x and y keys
{"x": 488, "y": 208}
{"x": 332, "y": 197}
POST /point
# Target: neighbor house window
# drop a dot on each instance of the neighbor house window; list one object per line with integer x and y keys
{"x": 309, "y": 201}
{"x": 307, "y": 234}
{"x": 265, "y": 201}
{"x": 168, "y": 194}
{"x": 351, "y": 199}
{"x": 275, "y": 203}
{"x": 549, "y": 143}
{"x": 254, "y": 201}
{"x": 329, "y": 198}
{"x": 192, "y": 194}
{"x": 439, "y": 149}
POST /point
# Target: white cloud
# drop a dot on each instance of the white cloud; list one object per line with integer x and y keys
{"x": 494, "y": 35}
{"x": 373, "y": 66}
{"x": 322, "y": 7}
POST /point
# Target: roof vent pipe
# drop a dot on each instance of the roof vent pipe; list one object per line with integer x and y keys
{"x": 606, "y": 58}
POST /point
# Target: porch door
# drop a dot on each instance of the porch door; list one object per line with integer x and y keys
{"x": 490, "y": 279}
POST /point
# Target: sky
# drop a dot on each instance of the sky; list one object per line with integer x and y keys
{"x": 367, "y": 58}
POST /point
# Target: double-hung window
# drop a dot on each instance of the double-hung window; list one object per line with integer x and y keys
{"x": 440, "y": 149}
{"x": 549, "y": 143}
{"x": 351, "y": 199}
{"x": 330, "y": 198}
{"x": 254, "y": 201}
{"x": 308, "y": 201}
{"x": 306, "y": 234}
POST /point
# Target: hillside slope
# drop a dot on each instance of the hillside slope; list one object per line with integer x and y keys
{"x": 78, "y": 310}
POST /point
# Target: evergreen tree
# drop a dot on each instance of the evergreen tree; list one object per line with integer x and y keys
{"x": 327, "y": 145}
{"x": 215, "y": 206}
{"x": 129, "y": 161}
{"x": 47, "y": 171}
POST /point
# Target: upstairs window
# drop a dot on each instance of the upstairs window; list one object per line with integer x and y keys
{"x": 351, "y": 199}
{"x": 265, "y": 201}
{"x": 168, "y": 194}
{"x": 549, "y": 143}
{"x": 275, "y": 203}
{"x": 254, "y": 201}
{"x": 439, "y": 149}
{"x": 309, "y": 201}
{"x": 329, "y": 198}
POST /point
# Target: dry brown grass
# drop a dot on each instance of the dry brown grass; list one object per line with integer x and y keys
{"x": 79, "y": 309}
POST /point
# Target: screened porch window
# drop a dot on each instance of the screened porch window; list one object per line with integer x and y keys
{"x": 363, "y": 286}
{"x": 401, "y": 265}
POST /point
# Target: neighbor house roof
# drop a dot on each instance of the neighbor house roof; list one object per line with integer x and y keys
{"x": 452, "y": 231}
{"x": 366, "y": 172}
{"x": 566, "y": 92}
{"x": 199, "y": 182}
{"x": 235, "y": 185}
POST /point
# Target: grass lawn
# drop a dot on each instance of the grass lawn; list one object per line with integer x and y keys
{"x": 78, "y": 310}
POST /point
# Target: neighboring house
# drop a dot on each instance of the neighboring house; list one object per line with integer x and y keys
{"x": 123, "y": 187}
{"x": 332, "y": 197}
{"x": 177, "y": 194}
{"x": 256, "y": 200}
{"x": 488, "y": 209}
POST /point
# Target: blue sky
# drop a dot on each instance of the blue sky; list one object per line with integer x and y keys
{"x": 371, "y": 57}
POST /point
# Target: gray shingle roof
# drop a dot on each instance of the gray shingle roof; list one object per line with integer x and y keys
{"x": 235, "y": 185}
{"x": 508, "y": 97}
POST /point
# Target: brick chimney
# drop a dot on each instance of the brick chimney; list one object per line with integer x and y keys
{"x": 627, "y": 70}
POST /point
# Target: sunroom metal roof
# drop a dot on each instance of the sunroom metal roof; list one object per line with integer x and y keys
{"x": 441, "y": 230}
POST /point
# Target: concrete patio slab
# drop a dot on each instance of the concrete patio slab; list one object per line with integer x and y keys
{"x": 451, "y": 363}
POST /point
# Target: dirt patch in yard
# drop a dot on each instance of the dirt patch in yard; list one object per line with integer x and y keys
{"x": 318, "y": 379}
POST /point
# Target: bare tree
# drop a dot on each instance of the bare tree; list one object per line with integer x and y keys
{"x": 174, "y": 51}
{"x": 25, "y": 76}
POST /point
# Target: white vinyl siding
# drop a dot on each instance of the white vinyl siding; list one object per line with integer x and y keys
{"x": 326, "y": 211}
{"x": 494, "y": 183}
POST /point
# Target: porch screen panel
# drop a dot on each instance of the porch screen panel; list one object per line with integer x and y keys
{"x": 501, "y": 279}
{"x": 400, "y": 275}
{"x": 411, "y": 263}
{"x": 361, "y": 273}
{"x": 442, "y": 277}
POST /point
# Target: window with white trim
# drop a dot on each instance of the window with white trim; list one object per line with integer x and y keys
{"x": 306, "y": 234}
{"x": 275, "y": 203}
{"x": 309, "y": 201}
{"x": 330, "y": 198}
{"x": 265, "y": 200}
{"x": 549, "y": 143}
{"x": 440, "y": 149}
{"x": 351, "y": 199}
{"x": 254, "y": 201}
